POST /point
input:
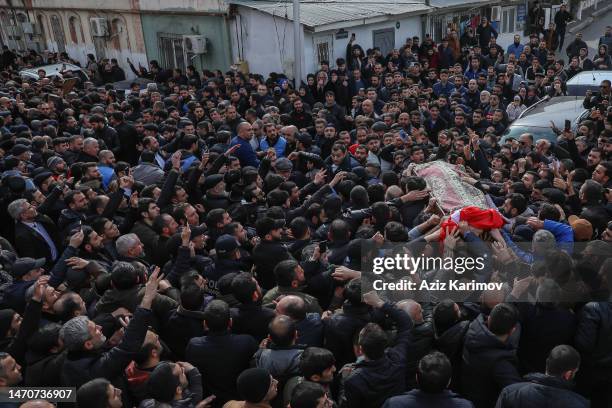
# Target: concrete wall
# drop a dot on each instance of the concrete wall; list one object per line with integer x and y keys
{"x": 183, "y": 5}
{"x": 212, "y": 27}
{"x": 266, "y": 42}
{"x": 409, "y": 27}
{"x": 126, "y": 43}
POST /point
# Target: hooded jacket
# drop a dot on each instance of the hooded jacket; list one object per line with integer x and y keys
{"x": 488, "y": 365}
{"x": 373, "y": 381}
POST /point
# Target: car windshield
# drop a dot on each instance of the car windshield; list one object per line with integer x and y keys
{"x": 538, "y": 132}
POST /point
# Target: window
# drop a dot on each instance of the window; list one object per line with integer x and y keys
{"x": 172, "y": 53}
{"x": 72, "y": 24}
{"x": 322, "y": 52}
{"x": 508, "y": 20}
{"x": 324, "y": 49}
{"x": 58, "y": 33}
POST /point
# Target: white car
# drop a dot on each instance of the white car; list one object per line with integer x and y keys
{"x": 55, "y": 70}
{"x": 586, "y": 80}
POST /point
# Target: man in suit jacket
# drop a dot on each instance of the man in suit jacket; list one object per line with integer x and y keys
{"x": 35, "y": 234}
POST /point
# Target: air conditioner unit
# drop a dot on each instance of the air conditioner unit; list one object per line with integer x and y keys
{"x": 99, "y": 27}
{"x": 27, "y": 28}
{"x": 195, "y": 44}
{"x": 496, "y": 13}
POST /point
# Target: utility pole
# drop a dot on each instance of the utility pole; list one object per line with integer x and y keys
{"x": 297, "y": 44}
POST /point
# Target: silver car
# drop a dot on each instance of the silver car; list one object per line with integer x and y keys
{"x": 55, "y": 70}
{"x": 536, "y": 119}
{"x": 586, "y": 80}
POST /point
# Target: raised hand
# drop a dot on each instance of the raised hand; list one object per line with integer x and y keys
{"x": 319, "y": 177}
{"x": 151, "y": 288}
{"x": 372, "y": 299}
{"x": 176, "y": 160}
{"x": 77, "y": 263}
{"x": 337, "y": 178}
{"x": 39, "y": 288}
{"x": 77, "y": 239}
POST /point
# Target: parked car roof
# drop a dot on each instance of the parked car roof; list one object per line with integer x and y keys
{"x": 53, "y": 70}
{"x": 585, "y": 80}
{"x": 536, "y": 120}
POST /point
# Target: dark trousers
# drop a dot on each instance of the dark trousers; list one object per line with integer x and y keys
{"x": 561, "y": 37}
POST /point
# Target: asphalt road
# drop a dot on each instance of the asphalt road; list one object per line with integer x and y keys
{"x": 591, "y": 33}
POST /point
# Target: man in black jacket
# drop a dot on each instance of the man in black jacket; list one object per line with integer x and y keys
{"x": 433, "y": 376}
{"x": 450, "y": 331}
{"x": 489, "y": 359}
{"x": 249, "y": 317}
{"x": 83, "y": 339}
{"x": 270, "y": 251}
{"x": 421, "y": 338}
{"x": 341, "y": 327}
{"x": 381, "y": 373}
{"x": 219, "y": 374}
{"x": 593, "y": 341}
{"x": 128, "y": 138}
{"x": 186, "y": 322}
{"x": 562, "y": 17}
{"x": 573, "y": 49}
{"x": 105, "y": 133}
{"x": 14, "y": 339}
{"x": 551, "y": 389}
{"x": 35, "y": 234}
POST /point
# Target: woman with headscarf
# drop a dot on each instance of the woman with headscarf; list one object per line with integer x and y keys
{"x": 602, "y": 60}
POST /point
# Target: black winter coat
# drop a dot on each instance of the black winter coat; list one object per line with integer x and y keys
{"x": 252, "y": 319}
{"x": 181, "y": 326}
{"x": 373, "y": 381}
{"x": 82, "y": 366}
{"x": 543, "y": 328}
{"x": 418, "y": 399}
{"x": 221, "y": 357}
{"x": 488, "y": 365}
{"x": 541, "y": 391}
{"x": 451, "y": 344}
{"x": 342, "y": 327}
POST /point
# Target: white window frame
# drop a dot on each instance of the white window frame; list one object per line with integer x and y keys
{"x": 508, "y": 20}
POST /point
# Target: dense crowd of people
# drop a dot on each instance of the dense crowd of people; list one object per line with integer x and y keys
{"x": 197, "y": 241}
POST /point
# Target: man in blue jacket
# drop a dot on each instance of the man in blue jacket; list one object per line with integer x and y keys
{"x": 245, "y": 152}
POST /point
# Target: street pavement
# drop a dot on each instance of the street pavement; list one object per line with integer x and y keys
{"x": 590, "y": 34}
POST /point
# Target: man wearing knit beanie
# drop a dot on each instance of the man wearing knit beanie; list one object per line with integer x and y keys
{"x": 257, "y": 387}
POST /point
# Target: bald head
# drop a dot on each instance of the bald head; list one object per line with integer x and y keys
{"x": 37, "y": 404}
{"x": 491, "y": 298}
{"x": 282, "y": 331}
{"x": 293, "y": 307}
{"x": 412, "y": 309}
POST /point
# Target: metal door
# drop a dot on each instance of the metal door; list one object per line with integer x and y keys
{"x": 384, "y": 39}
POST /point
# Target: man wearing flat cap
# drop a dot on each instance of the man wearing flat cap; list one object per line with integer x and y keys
{"x": 216, "y": 196}
{"x": 25, "y": 272}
